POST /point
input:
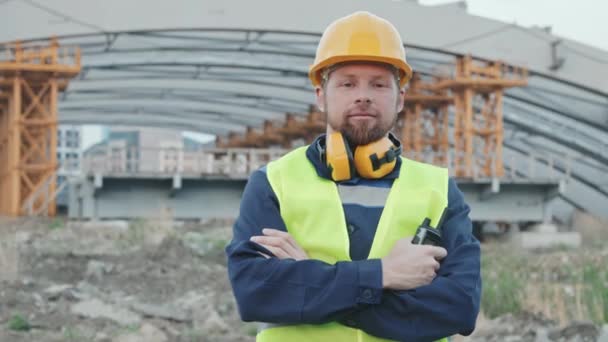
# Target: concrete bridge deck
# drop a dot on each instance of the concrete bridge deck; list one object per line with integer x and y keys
{"x": 209, "y": 183}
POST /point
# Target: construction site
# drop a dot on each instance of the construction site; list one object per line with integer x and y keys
{"x": 123, "y": 239}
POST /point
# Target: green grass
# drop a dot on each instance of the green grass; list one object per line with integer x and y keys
{"x": 502, "y": 287}
{"x": 57, "y": 223}
{"x": 564, "y": 285}
{"x": 137, "y": 230}
{"x": 71, "y": 334}
{"x": 596, "y": 292}
{"x": 251, "y": 329}
{"x": 18, "y": 323}
{"x": 135, "y": 234}
{"x": 194, "y": 335}
{"x": 124, "y": 330}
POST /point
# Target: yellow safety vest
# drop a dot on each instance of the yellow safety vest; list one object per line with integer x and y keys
{"x": 312, "y": 211}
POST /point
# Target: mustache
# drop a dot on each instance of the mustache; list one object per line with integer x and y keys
{"x": 359, "y": 110}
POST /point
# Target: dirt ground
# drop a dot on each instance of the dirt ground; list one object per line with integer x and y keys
{"x": 117, "y": 281}
{"x": 156, "y": 282}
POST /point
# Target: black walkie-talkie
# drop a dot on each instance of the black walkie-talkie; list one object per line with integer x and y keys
{"x": 427, "y": 235}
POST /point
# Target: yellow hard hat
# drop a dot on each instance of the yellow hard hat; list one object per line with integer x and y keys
{"x": 360, "y": 36}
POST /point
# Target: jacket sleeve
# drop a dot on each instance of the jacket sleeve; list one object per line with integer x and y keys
{"x": 447, "y": 306}
{"x": 288, "y": 291}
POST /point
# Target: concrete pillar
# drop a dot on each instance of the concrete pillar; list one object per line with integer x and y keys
{"x": 548, "y": 211}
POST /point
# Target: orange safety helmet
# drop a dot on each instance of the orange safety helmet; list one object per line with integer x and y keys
{"x": 360, "y": 36}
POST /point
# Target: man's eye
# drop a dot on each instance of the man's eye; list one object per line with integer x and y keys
{"x": 380, "y": 85}
{"x": 347, "y": 84}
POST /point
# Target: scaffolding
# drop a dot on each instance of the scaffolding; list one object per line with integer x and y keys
{"x": 474, "y": 93}
{"x": 478, "y": 89}
{"x": 424, "y": 122}
{"x": 31, "y": 78}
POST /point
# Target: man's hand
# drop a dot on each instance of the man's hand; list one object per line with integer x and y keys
{"x": 281, "y": 244}
{"x": 409, "y": 266}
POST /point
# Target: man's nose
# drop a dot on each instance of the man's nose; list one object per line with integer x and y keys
{"x": 363, "y": 97}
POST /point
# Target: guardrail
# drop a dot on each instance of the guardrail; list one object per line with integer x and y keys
{"x": 229, "y": 162}
{"x": 21, "y": 53}
{"x": 240, "y": 162}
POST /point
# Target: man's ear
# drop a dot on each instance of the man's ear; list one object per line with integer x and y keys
{"x": 400, "y": 100}
{"x": 320, "y": 98}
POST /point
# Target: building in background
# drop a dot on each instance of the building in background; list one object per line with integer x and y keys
{"x": 142, "y": 150}
{"x": 69, "y": 151}
{"x": 69, "y": 158}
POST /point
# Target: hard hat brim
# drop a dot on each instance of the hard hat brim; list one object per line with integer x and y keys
{"x": 404, "y": 69}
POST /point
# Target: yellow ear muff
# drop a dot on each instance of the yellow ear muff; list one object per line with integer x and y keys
{"x": 338, "y": 156}
{"x": 377, "y": 159}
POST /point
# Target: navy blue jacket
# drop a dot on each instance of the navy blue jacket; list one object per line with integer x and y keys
{"x": 350, "y": 292}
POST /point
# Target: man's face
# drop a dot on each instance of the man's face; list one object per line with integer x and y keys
{"x": 361, "y": 101}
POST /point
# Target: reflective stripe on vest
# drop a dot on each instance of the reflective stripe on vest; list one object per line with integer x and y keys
{"x": 313, "y": 214}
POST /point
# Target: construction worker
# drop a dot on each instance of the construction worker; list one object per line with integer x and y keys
{"x": 322, "y": 245}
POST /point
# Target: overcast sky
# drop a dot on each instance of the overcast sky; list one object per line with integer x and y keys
{"x": 582, "y": 20}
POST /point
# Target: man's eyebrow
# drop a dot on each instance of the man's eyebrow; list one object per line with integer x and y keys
{"x": 348, "y": 75}
{"x": 375, "y": 77}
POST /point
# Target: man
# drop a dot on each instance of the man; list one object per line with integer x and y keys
{"x": 322, "y": 246}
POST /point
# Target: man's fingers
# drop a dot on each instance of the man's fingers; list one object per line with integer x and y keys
{"x": 278, "y": 242}
{"x": 272, "y": 241}
{"x": 286, "y": 236}
{"x": 277, "y": 251}
{"x": 282, "y": 234}
{"x": 273, "y": 232}
{"x": 264, "y": 255}
{"x": 435, "y": 265}
{"x": 438, "y": 252}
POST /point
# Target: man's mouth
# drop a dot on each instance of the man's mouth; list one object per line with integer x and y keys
{"x": 361, "y": 115}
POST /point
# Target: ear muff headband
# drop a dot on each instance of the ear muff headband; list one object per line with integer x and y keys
{"x": 390, "y": 156}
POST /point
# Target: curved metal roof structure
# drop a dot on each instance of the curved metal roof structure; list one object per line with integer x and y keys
{"x": 219, "y": 66}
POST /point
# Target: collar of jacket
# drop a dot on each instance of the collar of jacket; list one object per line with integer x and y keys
{"x": 313, "y": 154}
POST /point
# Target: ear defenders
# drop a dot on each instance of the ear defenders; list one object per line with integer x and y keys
{"x": 374, "y": 160}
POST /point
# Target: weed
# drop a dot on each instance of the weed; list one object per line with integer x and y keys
{"x": 18, "y": 323}
{"x": 57, "y": 223}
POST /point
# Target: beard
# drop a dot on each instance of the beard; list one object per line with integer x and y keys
{"x": 363, "y": 132}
